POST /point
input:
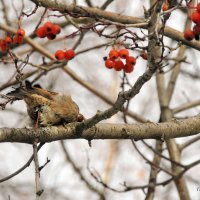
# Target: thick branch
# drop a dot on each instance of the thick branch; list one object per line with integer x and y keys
{"x": 166, "y": 130}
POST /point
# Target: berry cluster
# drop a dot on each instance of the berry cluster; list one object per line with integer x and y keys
{"x": 5, "y": 43}
{"x": 116, "y": 58}
{"x": 7, "y": 40}
{"x": 65, "y": 55}
{"x": 48, "y": 30}
{"x": 195, "y": 32}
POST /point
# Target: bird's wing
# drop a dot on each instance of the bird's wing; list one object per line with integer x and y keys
{"x": 35, "y": 104}
{"x": 37, "y": 89}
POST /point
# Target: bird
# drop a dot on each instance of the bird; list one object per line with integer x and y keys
{"x": 47, "y": 108}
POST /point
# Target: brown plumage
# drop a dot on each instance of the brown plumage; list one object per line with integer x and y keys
{"x": 50, "y": 108}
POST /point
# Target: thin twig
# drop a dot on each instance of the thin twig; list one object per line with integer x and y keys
{"x": 186, "y": 106}
{"x": 80, "y": 173}
{"x": 189, "y": 142}
{"x": 149, "y": 162}
{"x": 162, "y": 156}
{"x": 27, "y": 164}
{"x": 39, "y": 189}
{"x": 106, "y": 4}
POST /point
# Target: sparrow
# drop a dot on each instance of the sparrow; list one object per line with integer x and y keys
{"x": 47, "y": 108}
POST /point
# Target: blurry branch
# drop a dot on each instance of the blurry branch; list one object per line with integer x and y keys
{"x": 127, "y": 187}
{"x": 80, "y": 173}
{"x": 152, "y": 164}
{"x": 99, "y": 94}
{"x": 191, "y": 165}
{"x": 154, "y": 58}
{"x": 190, "y": 74}
{"x": 112, "y": 17}
{"x": 27, "y": 164}
{"x": 106, "y": 4}
{"x": 89, "y": 3}
{"x": 5, "y": 12}
{"x": 33, "y": 35}
{"x": 162, "y": 131}
{"x": 99, "y": 180}
{"x": 25, "y": 76}
{"x": 189, "y": 142}
{"x": 19, "y": 187}
{"x": 110, "y": 163}
{"x": 155, "y": 169}
{"x": 164, "y": 183}
{"x": 42, "y": 67}
{"x": 39, "y": 189}
{"x": 162, "y": 156}
{"x": 166, "y": 115}
{"x": 174, "y": 74}
{"x": 46, "y": 68}
{"x": 186, "y": 106}
{"x": 38, "y": 24}
{"x": 77, "y": 52}
{"x": 42, "y": 72}
{"x": 29, "y": 41}
{"x": 72, "y": 22}
{"x": 93, "y": 47}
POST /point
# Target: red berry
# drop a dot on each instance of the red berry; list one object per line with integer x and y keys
{"x": 195, "y": 17}
{"x": 189, "y": 35}
{"x": 3, "y": 45}
{"x": 130, "y": 60}
{"x": 18, "y": 40}
{"x": 40, "y": 32}
{"x": 69, "y": 54}
{"x": 20, "y": 32}
{"x": 198, "y": 7}
{"x": 51, "y": 36}
{"x": 123, "y": 53}
{"x": 8, "y": 40}
{"x": 144, "y": 55}
{"x": 113, "y": 54}
{"x": 60, "y": 55}
{"x": 15, "y": 40}
{"x": 119, "y": 65}
{"x": 128, "y": 68}
{"x": 165, "y": 7}
{"x": 48, "y": 27}
{"x": 109, "y": 63}
{"x": 55, "y": 29}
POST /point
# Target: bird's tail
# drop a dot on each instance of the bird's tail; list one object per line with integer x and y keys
{"x": 21, "y": 91}
{"x": 18, "y": 92}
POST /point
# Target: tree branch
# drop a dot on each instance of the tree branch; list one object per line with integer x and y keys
{"x": 166, "y": 130}
{"x": 113, "y": 17}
